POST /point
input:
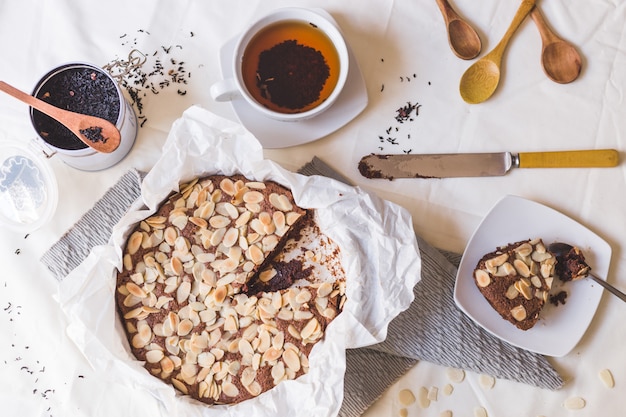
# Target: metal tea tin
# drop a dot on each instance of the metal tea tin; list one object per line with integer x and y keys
{"x": 83, "y": 157}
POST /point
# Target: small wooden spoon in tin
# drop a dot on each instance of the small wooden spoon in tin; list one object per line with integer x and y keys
{"x": 560, "y": 60}
{"x": 463, "y": 39}
{"x": 95, "y": 132}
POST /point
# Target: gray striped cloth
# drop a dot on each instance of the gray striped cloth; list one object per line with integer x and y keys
{"x": 432, "y": 329}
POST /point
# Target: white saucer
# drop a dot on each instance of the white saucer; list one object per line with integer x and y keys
{"x": 277, "y": 134}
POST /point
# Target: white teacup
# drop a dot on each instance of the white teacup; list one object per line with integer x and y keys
{"x": 318, "y": 65}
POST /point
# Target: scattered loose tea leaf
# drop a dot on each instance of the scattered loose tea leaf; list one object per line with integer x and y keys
{"x": 138, "y": 79}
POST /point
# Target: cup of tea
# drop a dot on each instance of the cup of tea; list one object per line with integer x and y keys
{"x": 290, "y": 65}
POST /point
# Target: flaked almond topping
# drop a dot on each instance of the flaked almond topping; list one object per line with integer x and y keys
{"x": 229, "y": 389}
{"x": 291, "y": 329}
{"x": 154, "y": 356}
{"x": 254, "y": 389}
{"x": 505, "y": 269}
{"x": 324, "y": 289}
{"x": 220, "y": 294}
{"x": 179, "y": 385}
{"x": 271, "y": 355}
{"x": 497, "y": 261}
{"x": 248, "y": 376}
{"x": 278, "y": 372}
{"x": 136, "y": 290}
{"x": 243, "y": 219}
{"x": 511, "y": 292}
{"x": 180, "y": 221}
{"x": 219, "y": 222}
{"x": 329, "y": 313}
{"x": 134, "y": 313}
{"x": 231, "y": 237}
{"x": 540, "y": 256}
{"x": 482, "y": 278}
{"x": 134, "y": 242}
{"x": 183, "y": 291}
{"x": 167, "y": 365}
{"x": 176, "y": 266}
{"x": 199, "y": 221}
{"x": 255, "y": 254}
{"x": 206, "y": 210}
{"x": 524, "y": 288}
{"x": 304, "y": 296}
{"x": 170, "y": 235}
{"x": 311, "y": 327}
{"x": 524, "y": 250}
{"x": 292, "y": 217}
{"x": 549, "y": 282}
{"x": 227, "y": 186}
{"x": 292, "y": 359}
{"x": 267, "y": 275}
{"x": 253, "y": 197}
{"x": 518, "y": 313}
{"x": 184, "y": 327}
{"x": 546, "y": 270}
{"x": 128, "y": 262}
{"x": 522, "y": 268}
{"x": 256, "y": 185}
{"x": 536, "y": 281}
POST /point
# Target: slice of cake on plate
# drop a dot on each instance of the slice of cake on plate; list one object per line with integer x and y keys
{"x": 516, "y": 280}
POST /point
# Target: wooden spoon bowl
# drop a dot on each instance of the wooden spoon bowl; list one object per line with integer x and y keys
{"x": 462, "y": 38}
{"x": 480, "y": 80}
{"x": 560, "y": 60}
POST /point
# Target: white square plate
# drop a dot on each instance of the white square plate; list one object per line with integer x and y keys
{"x": 560, "y": 327}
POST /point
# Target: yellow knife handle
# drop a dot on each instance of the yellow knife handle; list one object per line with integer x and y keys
{"x": 569, "y": 159}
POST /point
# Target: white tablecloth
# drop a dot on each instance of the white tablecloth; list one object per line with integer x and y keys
{"x": 402, "y": 51}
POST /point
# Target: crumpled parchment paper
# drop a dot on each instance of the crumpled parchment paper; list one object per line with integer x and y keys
{"x": 379, "y": 254}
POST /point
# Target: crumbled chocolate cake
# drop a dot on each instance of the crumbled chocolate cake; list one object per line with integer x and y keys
{"x": 572, "y": 266}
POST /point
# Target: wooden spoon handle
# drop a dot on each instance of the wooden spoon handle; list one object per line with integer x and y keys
{"x": 109, "y": 139}
{"x": 447, "y": 11}
{"x": 40, "y": 105}
{"x": 546, "y": 33}
{"x": 520, "y": 15}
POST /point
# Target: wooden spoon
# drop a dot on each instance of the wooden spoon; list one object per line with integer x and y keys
{"x": 95, "y": 132}
{"x": 463, "y": 39}
{"x": 480, "y": 80}
{"x": 560, "y": 60}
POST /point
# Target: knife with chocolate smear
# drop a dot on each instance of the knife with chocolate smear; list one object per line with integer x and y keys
{"x": 479, "y": 164}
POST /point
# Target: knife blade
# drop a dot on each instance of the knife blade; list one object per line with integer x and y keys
{"x": 479, "y": 164}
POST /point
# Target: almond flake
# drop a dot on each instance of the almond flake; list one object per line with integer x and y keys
{"x": 406, "y": 397}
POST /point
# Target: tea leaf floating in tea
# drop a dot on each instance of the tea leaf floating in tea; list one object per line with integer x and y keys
{"x": 290, "y": 67}
{"x": 292, "y": 75}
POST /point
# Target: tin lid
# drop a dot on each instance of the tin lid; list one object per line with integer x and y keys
{"x": 28, "y": 189}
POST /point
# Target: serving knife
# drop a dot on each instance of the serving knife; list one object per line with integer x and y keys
{"x": 479, "y": 164}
